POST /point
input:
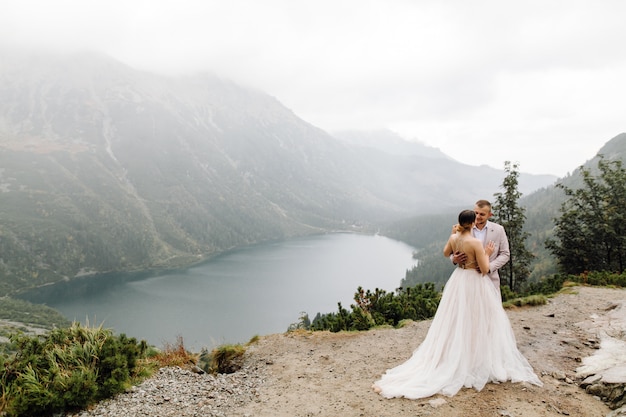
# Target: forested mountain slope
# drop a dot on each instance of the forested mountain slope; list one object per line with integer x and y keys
{"x": 429, "y": 233}
{"x": 106, "y": 168}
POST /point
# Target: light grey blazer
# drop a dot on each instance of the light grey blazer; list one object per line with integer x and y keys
{"x": 501, "y": 253}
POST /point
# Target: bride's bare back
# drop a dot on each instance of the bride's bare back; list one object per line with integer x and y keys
{"x": 477, "y": 257}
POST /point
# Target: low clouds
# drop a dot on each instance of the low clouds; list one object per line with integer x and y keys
{"x": 485, "y": 81}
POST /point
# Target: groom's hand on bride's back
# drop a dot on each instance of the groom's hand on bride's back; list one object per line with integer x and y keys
{"x": 459, "y": 257}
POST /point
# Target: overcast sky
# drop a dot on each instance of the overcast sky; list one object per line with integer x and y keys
{"x": 538, "y": 82}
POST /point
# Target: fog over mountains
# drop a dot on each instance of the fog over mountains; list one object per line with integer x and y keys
{"x": 105, "y": 168}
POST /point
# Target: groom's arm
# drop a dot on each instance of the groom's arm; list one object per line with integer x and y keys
{"x": 504, "y": 253}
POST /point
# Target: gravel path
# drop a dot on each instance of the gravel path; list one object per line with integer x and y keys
{"x": 181, "y": 392}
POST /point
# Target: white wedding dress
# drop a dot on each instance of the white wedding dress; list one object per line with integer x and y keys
{"x": 470, "y": 343}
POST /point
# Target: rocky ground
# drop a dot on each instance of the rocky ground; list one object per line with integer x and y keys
{"x": 304, "y": 374}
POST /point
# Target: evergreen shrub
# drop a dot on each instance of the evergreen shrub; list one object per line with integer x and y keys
{"x": 66, "y": 369}
{"x": 379, "y": 308}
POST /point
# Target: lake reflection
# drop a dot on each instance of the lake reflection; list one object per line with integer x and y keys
{"x": 255, "y": 290}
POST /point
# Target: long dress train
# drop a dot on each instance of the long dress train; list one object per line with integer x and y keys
{"x": 469, "y": 343}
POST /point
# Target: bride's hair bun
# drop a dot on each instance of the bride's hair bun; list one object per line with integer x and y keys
{"x": 466, "y": 219}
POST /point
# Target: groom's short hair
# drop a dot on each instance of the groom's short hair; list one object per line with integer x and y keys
{"x": 483, "y": 203}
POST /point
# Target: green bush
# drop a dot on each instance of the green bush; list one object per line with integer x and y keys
{"x": 507, "y": 293}
{"x": 550, "y": 285}
{"x": 67, "y": 369}
{"x": 601, "y": 278}
{"x": 379, "y": 307}
{"x": 554, "y": 283}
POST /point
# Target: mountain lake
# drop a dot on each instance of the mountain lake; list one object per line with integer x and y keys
{"x": 255, "y": 290}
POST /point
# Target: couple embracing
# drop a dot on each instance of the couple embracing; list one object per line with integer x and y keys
{"x": 470, "y": 341}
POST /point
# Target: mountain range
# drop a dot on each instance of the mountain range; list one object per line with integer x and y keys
{"x": 106, "y": 168}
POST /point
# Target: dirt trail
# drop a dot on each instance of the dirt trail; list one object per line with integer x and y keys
{"x": 330, "y": 374}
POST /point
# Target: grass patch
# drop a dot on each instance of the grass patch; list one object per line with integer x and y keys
{"x": 404, "y": 322}
{"x": 173, "y": 354}
{"x": 531, "y": 300}
{"x": 225, "y": 359}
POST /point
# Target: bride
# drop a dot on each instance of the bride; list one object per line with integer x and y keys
{"x": 470, "y": 341}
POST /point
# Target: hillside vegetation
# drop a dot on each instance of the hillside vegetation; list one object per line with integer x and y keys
{"x": 429, "y": 233}
{"x": 104, "y": 168}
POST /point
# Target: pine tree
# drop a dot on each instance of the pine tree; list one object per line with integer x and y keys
{"x": 590, "y": 234}
{"x": 512, "y": 217}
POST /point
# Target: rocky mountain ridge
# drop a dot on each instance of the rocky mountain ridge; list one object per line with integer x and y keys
{"x": 106, "y": 168}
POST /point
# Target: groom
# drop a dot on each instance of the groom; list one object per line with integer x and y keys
{"x": 487, "y": 231}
